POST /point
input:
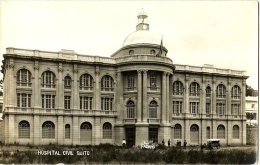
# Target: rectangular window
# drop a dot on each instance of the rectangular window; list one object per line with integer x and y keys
{"x": 177, "y": 107}
{"x": 66, "y": 102}
{"x": 48, "y": 101}
{"x": 208, "y": 108}
{"x": 235, "y": 108}
{"x": 85, "y": 103}
{"x": 107, "y": 104}
{"x": 220, "y": 108}
{"x": 194, "y": 107}
{"x": 23, "y": 100}
{"x": 153, "y": 83}
{"x": 130, "y": 82}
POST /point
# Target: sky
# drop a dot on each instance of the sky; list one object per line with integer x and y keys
{"x": 221, "y": 33}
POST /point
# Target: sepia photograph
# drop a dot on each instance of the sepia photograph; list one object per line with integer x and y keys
{"x": 129, "y": 82}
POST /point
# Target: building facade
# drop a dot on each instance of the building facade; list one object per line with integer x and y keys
{"x": 252, "y": 110}
{"x": 137, "y": 94}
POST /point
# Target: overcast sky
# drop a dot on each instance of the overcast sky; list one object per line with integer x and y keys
{"x": 222, "y": 33}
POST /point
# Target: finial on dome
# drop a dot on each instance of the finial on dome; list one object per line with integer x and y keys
{"x": 142, "y": 23}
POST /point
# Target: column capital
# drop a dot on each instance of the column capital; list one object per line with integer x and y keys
{"x": 139, "y": 71}
{"x": 60, "y": 68}
{"x": 145, "y": 71}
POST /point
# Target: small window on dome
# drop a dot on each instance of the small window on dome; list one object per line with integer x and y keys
{"x": 131, "y": 52}
{"x": 152, "y": 52}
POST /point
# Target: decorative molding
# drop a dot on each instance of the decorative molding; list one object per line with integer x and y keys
{"x": 60, "y": 69}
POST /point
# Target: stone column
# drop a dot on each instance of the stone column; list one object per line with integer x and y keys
{"x": 12, "y": 83}
{"x": 203, "y": 97}
{"x": 60, "y": 88}
{"x": 97, "y": 134}
{"x": 60, "y": 127}
{"x": 163, "y": 100}
{"x": 36, "y": 130}
{"x": 96, "y": 90}
{"x": 167, "y": 98}
{"x": 139, "y": 96}
{"x": 75, "y": 130}
{"x": 75, "y": 87}
{"x": 11, "y": 129}
{"x": 36, "y": 86}
{"x": 145, "y": 102}
{"x": 214, "y": 127}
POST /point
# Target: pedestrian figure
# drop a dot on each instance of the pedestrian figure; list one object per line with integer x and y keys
{"x": 124, "y": 143}
{"x": 169, "y": 143}
{"x": 184, "y": 144}
{"x": 163, "y": 141}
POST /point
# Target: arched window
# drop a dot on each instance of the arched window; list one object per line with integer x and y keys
{"x": 67, "y": 82}
{"x": 194, "y": 89}
{"x": 85, "y": 82}
{"x": 177, "y": 131}
{"x": 67, "y": 131}
{"x": 86, "y": 132}
{"x": 153, "y": 109}
{"x": 236, "y": 92}
{"x": 107, "y": 131}
{"x": 48, "y": 130}
{"x": 48, "y": 79}
{"x": 221, "y": 132}
{"x": 194, "y": 134}
{"x": 235, "y": 132}
{"x": 177, "y": 88}
{"x": 107, "y": 83}
{"x": 152, "y": 52}
{"x": 221, "y": 91}
{"x": 24, "y": 129}
{"x": 23, "y": 78}
{"x": 130, "y": 110}
{"x": 208, "y": 91}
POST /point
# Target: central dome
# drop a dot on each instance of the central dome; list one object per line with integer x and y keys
{"x": 142, "y": 37}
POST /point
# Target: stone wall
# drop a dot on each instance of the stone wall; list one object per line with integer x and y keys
{"x": 251, "y": 135}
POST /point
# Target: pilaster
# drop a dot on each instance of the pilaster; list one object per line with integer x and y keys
{"x": 145, "y": 102}
{"x": 96, "y": 89}
{"x": 36, "y": 130}
{"x": 60, "y": 88}
{"x": 75, "y": 130}
{"x": 60, "y": 130}
{"x": 186, "y": 96}
{"x": 75, "y": 87}
{"x": 118, "y": 98}
{"x": 36, "y": 86}
{"x": 139, "y": 96}
{"x": 163, "y": 100}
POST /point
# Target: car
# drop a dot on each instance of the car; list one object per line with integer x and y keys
{"x": 211, "y": 143}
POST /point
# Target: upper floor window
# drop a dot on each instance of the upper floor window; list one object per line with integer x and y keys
{"x": 153, "y": 109}
{"x": 23, "y": 100}
{"x": 107, "y": 83}
{"x": 208, "y": 92}
{"x": 130, "y": 82}
{"x": 235, "y": 109}
{"x": 153, "y": 81}
{"x": 67, "y": 82}
{"x": 48, "y": 79}
{"x": 208, "y": 108}
{"x": 194, "y": 107}
{"x": 106, "y": 104}
{"x": 85, "y": 82}
{"x": 48, "y": 101}
{"x": 67, "y": 102}
{"x": 220, "y": 108}
{"x": 194, "y": 89}
{"x": 236, "y": 92}
{"x": 221, "y": 91}
{"x": 177, "y": 107}
{"x": 130, "y": 110}
{"x": 23, "y": 78}
{"x": 85, "y": 103}
{"x": 131, "y": 52}
{"x": 177, "y": 88}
